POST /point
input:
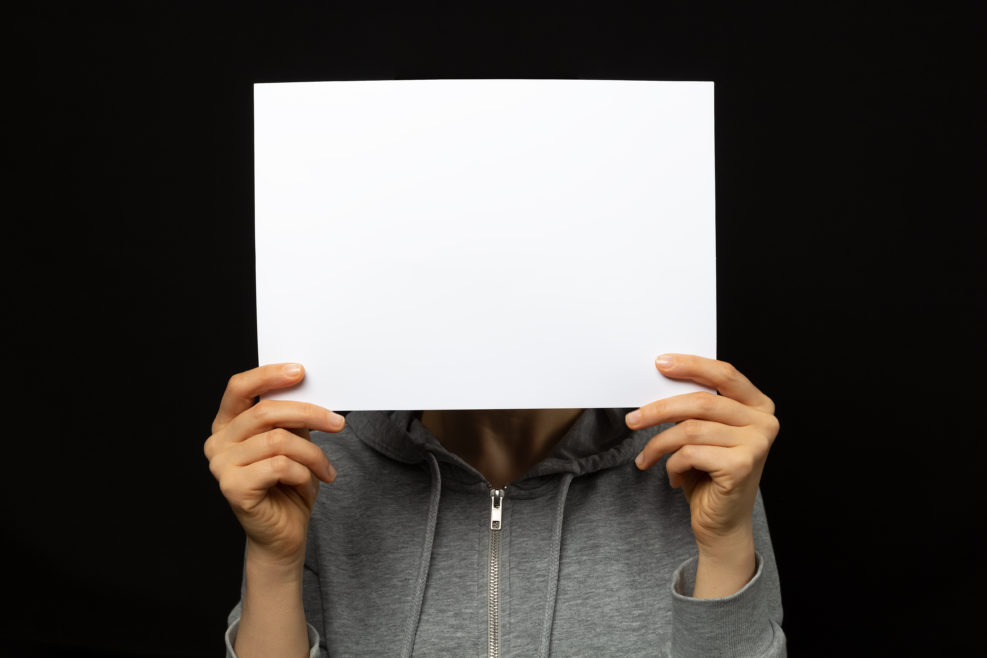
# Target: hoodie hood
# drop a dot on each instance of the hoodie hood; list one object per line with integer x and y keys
{"x": 598, "y": 439}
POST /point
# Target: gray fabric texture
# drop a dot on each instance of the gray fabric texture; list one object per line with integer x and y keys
{"x": 596, "y": 557}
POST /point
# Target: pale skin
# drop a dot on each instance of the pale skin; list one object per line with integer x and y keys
{"x": 269, "y": 471}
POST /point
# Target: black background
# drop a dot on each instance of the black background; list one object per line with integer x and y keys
{"x": 849, "y": 186}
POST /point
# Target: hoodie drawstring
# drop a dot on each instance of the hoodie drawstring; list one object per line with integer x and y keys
{"x": 411, "y": 631}
{"x": 553, "y": 576}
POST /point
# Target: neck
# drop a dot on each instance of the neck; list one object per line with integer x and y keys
{"x": 500, "y": 443}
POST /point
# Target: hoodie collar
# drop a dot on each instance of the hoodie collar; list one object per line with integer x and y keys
{"x": 598, "y": 439}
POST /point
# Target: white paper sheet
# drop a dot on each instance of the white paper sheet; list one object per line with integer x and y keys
{"x": 484, "y": 244}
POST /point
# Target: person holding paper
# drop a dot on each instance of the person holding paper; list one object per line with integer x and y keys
{"x": 524, "y": 532}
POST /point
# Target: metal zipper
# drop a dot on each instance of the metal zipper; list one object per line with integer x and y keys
{"x": 493, "y": 600}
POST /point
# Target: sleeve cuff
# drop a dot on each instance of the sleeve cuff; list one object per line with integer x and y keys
{"x": 735, "y": 625}
{"x": 314, "y": 651}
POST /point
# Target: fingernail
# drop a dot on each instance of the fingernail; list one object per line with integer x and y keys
{"x": 639, "y": 460}
{"x": 292, "y": 370}
{"x": 633, "y": 417}
{"x": 664, "y": 361}
{"x": 337, "y": 420}
{"x": 332, "y": 473}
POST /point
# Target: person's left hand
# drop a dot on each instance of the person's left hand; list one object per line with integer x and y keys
{"x": 718, "y": 446}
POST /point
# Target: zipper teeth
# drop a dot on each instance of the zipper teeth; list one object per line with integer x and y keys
{"x": 493, "y": 611}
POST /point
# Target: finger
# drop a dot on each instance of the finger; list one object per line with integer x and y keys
{"x": 248, "y": 485}
{"x": 308, "y": 491}
{"x": 280, "y": 442}
{"x": 701, "y": 405}
{"x": 243, "y": 387}
{"x": 689, "y": 432}
{"x": 716, "y": 374}
{"x": 728, "y": 467}
{"x": 268, "y": 414}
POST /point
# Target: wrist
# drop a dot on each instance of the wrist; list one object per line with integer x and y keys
{"x": 272, "y": 621}
{"x": 267, "y": 565}
{"x": 724, "y": 546}
{"x": 725, "y": 569}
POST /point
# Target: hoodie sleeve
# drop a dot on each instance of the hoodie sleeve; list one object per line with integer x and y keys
{"x": 310, "y": 583}
{"x": 746, "y": 623}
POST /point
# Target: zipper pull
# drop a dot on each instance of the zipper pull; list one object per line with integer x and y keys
{"x": 496, "y": 498}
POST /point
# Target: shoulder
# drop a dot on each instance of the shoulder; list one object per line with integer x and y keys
{"x": 363, "y": 473}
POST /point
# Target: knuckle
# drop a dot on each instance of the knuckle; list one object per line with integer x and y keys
{"x": 769, "y": 405}
{"x": 229, "y": 486}
{"x": 235, "y": 383}
{"x": 728, "y": 372}
{"x": 264, "y": 411}
{"x": 692, "y": 429}
{"x": 706, "y": 402}
{"x": 761, "y": 445}
{"x": 774, "y": 426}
{"x": 216, "y": 467}
{"x": 275, "y": 441}
{"x": 280, "y": 464}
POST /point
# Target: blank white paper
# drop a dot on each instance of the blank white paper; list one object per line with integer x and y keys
{"x": 484, "y": 244}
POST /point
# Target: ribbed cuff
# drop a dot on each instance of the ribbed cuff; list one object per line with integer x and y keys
{"x": 735, "y": 625}
{"x": 314, "y": 651}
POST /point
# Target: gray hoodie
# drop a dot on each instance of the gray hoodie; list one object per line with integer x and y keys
{"x": 411, "y": 552}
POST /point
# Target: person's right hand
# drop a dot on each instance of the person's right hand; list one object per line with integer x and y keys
{"x": 267, "y": 467}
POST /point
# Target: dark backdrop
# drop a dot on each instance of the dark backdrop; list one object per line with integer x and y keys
{"x": 849, "y": 179}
